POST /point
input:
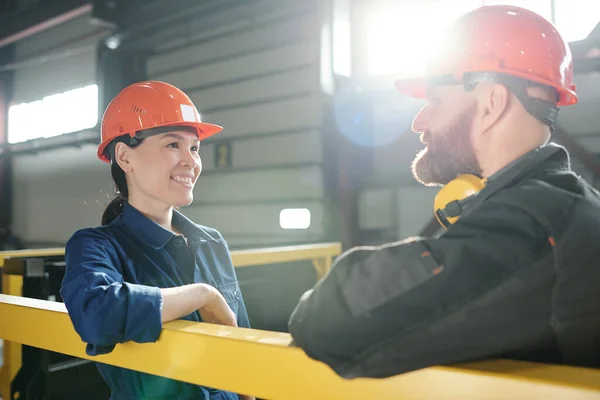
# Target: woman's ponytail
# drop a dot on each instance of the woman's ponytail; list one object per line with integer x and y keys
{"x": 115, "y": 207}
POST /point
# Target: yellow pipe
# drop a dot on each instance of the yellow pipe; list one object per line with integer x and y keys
{"x": 29, "y": 253}
{"x": 241, "y": 258}
{"x": 262, "y": 364}
{"x": 245, "y": 258}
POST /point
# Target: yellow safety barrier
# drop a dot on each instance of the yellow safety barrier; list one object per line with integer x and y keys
{"x": 321, "y": 255}
{"x": 263, "y": 364}
{"x": 11, "y": 284}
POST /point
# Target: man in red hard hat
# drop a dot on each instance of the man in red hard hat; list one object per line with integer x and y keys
{"x": 515, "y": 274}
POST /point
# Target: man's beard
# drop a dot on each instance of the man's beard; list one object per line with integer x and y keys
{"x": 448, "y": 154}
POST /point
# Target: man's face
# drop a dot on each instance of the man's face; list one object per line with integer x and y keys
{"x": 446, "y": 126}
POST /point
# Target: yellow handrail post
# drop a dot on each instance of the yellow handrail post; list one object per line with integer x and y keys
{"x": 11, "y": 351}
{"x": 322, "y": 265}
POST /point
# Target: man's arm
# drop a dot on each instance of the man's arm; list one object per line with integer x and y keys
{"x": 386, "y": 310}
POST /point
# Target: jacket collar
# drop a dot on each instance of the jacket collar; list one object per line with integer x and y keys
{"x": 151, "y": 233}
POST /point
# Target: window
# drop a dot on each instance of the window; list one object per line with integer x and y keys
{"x": 342, "y": 38}
{"x": 400, "y": 35}
{"x": 294, "y": 218}
{"x": 54, "y": 115}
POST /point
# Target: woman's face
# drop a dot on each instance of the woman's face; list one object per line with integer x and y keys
{"x": 163, "y": 169}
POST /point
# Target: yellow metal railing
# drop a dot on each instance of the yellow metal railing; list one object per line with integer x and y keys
{"x": 321, "y": 255}
{"x": 263, "y": 364}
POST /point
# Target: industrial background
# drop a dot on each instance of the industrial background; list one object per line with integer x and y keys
{"x": 316, "y": 144}
{"x": 304, "y": 90}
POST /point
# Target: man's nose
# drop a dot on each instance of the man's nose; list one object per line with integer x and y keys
{"x": 421, "y": 122}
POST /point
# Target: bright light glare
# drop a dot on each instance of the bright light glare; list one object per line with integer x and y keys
{"x": 294, "y": 218}
{"x": 575, "y": 19}
{"x": 401, "y": 35}
{"x": 541, "y": 7}
{"x": 54, "y": 115}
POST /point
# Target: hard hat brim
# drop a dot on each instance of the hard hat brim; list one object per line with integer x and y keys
{"x": 205, "y": 130}
{"x": 413, "y": 87}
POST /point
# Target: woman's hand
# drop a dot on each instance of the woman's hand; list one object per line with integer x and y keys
{"x": 216, "y": 310}
{"x": 184, "y": 300}
{"x": 210, "y": 303}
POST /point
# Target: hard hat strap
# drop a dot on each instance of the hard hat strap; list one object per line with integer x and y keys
{"x": 543, "y": 110}
{"x": 137, "y": 138}
{"x": 140, "y": 135}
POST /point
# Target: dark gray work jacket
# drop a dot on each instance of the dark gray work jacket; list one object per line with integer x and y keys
{"x": 517, "y": 277}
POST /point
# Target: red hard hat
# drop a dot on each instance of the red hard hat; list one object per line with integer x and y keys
{"x": 504, "y": 40}
{"x": 147, "y": 105}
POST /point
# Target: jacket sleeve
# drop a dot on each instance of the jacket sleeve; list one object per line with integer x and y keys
{"x": 103, "y": 308}
{"x": 472, "y": 293}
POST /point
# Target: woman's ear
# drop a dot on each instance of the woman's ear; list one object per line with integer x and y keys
{"x": 123, "y": 156}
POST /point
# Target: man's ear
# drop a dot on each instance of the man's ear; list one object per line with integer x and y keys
{"x": 494, "y": 101}
{"x": 123, "y": 156}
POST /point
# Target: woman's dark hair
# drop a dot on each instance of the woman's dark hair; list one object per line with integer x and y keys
{"x": 115, "y": 207}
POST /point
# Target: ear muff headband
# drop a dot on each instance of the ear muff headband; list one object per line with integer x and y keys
{"x": 452, "y": 199}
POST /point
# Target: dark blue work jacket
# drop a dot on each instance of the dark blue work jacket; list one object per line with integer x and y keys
{"x": 111, "y": 290}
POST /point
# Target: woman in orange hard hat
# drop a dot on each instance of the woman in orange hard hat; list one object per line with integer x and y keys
{"x": 148, "y": 264}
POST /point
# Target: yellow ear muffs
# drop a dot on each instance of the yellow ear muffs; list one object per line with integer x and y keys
{"x": 450, "y": 201}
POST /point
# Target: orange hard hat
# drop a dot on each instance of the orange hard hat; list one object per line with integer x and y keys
{"x": 504, "y": 44}
{"x": 148, "y": 105}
